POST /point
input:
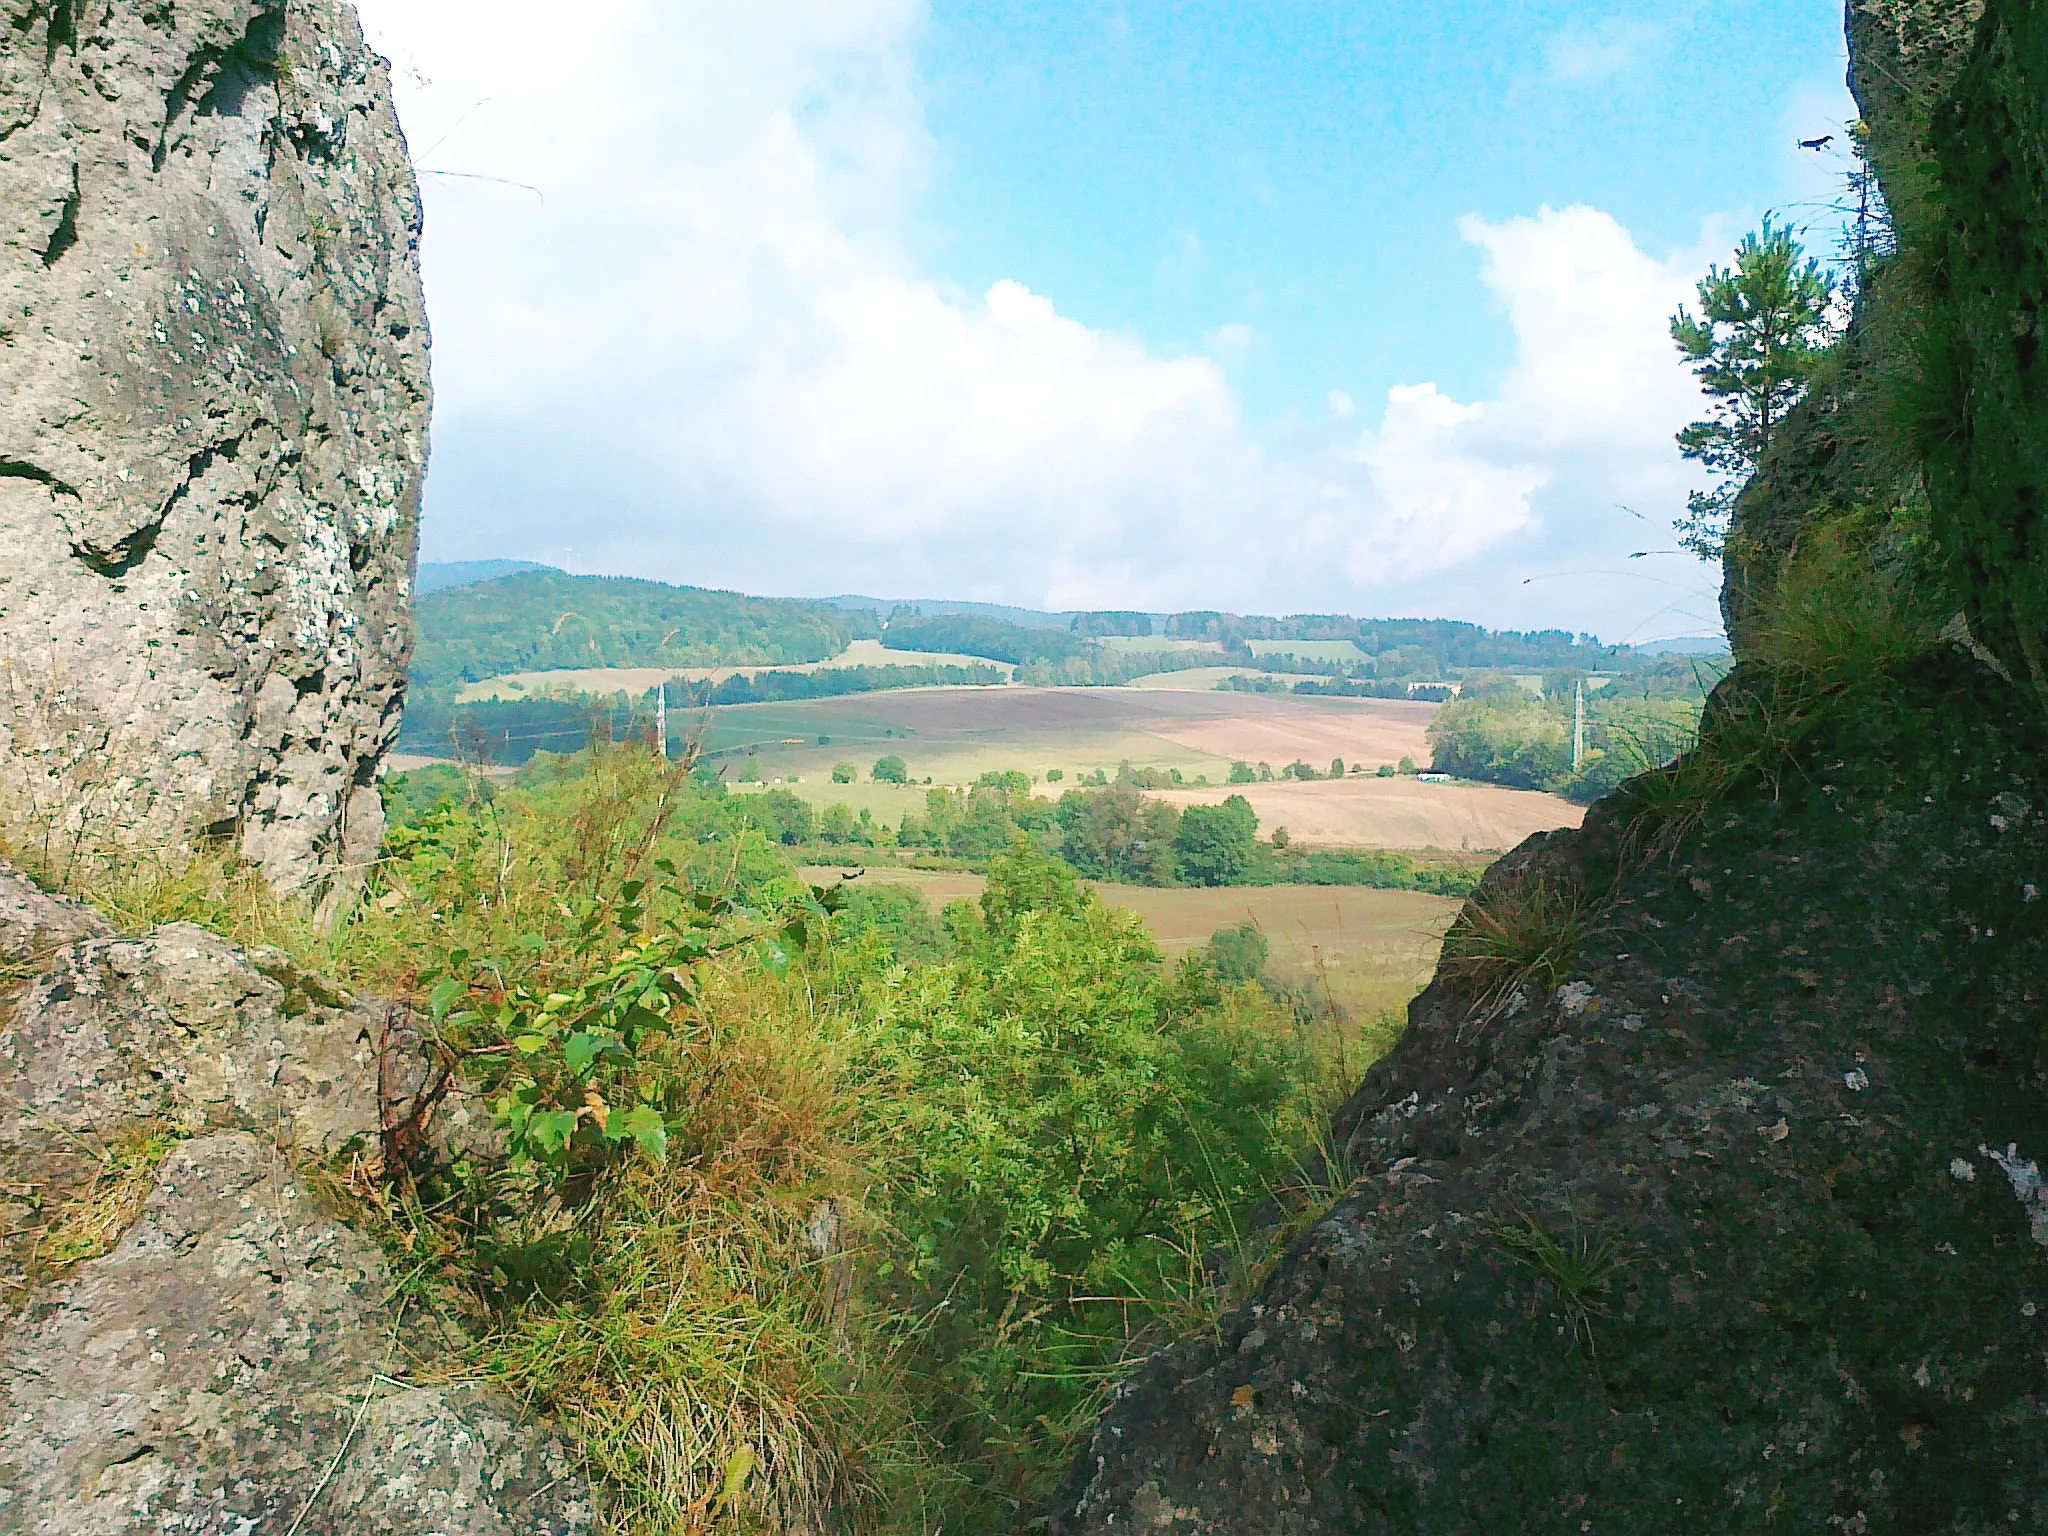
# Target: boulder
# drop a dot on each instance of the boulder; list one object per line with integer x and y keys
{"x": 227, "y": 1363}
{"x": 213, "y": 427}
{"x": 225, "y": 1369}
{"x": 181, "y": 1028}
{"x": 34, "y": 925}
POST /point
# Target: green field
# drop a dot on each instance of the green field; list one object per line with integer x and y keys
{"x": 1308, "y": 650}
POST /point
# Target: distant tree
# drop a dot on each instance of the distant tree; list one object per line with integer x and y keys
{"x": 1238, "y": 954}
{"x": 750, "y": 770}
{"x": 785, "y": 817}
{"x": 835, "y": 825}
{"x": 1241, "y": 773}
{"x": 1297, "y": 770}
{"x": 1054, "y": 775}
{"x": 1336, "y": 767}
{"x": 1407, "y": 765}
{"x": 1265, "y": 773}
{"x": 1216, "y": 844}
{"x": 1280, "y": 838}
{"x": 844, "y": 773}
{"x": 1386, "y": 770}
{"x": 890, "y": 770}
{"x": 1117, "y": 834}
{"x": 1763, "y": 325}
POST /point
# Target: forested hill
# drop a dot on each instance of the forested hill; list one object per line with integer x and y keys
{"x": 476, "y": 623}
{"x": 544, "y": 620}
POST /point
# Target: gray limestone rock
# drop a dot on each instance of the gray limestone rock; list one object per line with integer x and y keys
{"x": 213, "y": 419}
{"x": 181, "y": 1027}
{"x": 35, "y": 925}
{"x": 222, "y": 1371}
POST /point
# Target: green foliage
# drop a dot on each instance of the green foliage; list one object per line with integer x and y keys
{"x": 782, "y": 814}
{"x": 1379, "y": 868}
{"x": 1117, "y": 834}
{"x": 411, "y": 796}
{"x": 890, "y": 770}
{"x": 1113, "y": 623}
{"x": 1526, "y": 932}
{"x": 1580, "y": 1269}
{"x": 1511, "y": 737}
{"x": 894, "y": 919}
{"x": 1504, "y": 739}
{"x": 1763, "y": 326}
{"x": 543, "y": 620}
{"x": 1217, "y": 844}
{"x": 564, "y": 1078}
{"x": 827, "y": 683}
{"x": 811, "y": 1213}
{"x": 1239, "y": 954}
{"x": 1072, "y": 1141}
{"x": 973, "y": 634}
{"x": 1241, "y": 773}
{"x": 844, "y": 773}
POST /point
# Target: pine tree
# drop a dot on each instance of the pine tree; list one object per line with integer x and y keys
{"x": 1763, "y": 325}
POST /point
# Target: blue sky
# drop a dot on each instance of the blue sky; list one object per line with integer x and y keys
{"x": 1276, "y": 307}
{"x": 1301, "y": 167}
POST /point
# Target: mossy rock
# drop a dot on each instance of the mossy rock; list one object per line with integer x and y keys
{"x": 1757, "y": 1120}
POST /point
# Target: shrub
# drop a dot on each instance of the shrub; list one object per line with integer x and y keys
{"x": 844, "y": 773}
{"x": 1238, "y": 954}
{"x": 890, "y": 770}
{"x": 1071, "y": 1139}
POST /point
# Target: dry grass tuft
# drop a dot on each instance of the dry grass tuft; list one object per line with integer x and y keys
{"x": 1529, "y": 931}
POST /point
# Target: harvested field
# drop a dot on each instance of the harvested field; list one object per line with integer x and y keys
{"x": 1200, "y": 679}
{"x": 1368, "y": 731}
{"x": 1396, "y": 813}
{"x": 955, "y": 734}
{"x": 1372, "y": 949}
{"x": 635, "y": 681}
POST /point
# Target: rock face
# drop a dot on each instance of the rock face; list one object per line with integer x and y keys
{"x": 1743, "y": 1224}
{"x": 1738, "y": 1229}
{"x": 228, "y": 1362}
{"x": 213, "y": 419}
{"x": 223, "y": 1369}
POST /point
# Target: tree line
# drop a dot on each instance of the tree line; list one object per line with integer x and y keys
{"x": 1114, "y": 833}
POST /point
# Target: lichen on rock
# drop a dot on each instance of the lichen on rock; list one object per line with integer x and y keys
{"x": 213, "y": 418}
{"x": 222, "y": 1355}
{"x": 224, "y": 1370}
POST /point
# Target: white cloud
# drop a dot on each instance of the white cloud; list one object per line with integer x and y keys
{"x": 1579, "y": 54}
{"x": 708, "y": 356}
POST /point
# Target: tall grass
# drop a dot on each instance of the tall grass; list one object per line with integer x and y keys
{"x": 905, "y": 1223}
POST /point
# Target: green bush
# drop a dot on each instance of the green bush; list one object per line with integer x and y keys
{"x": 1238, "y": 954}
{"x": 1071, "y": 1138}
{"x": 890, "y": 770}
